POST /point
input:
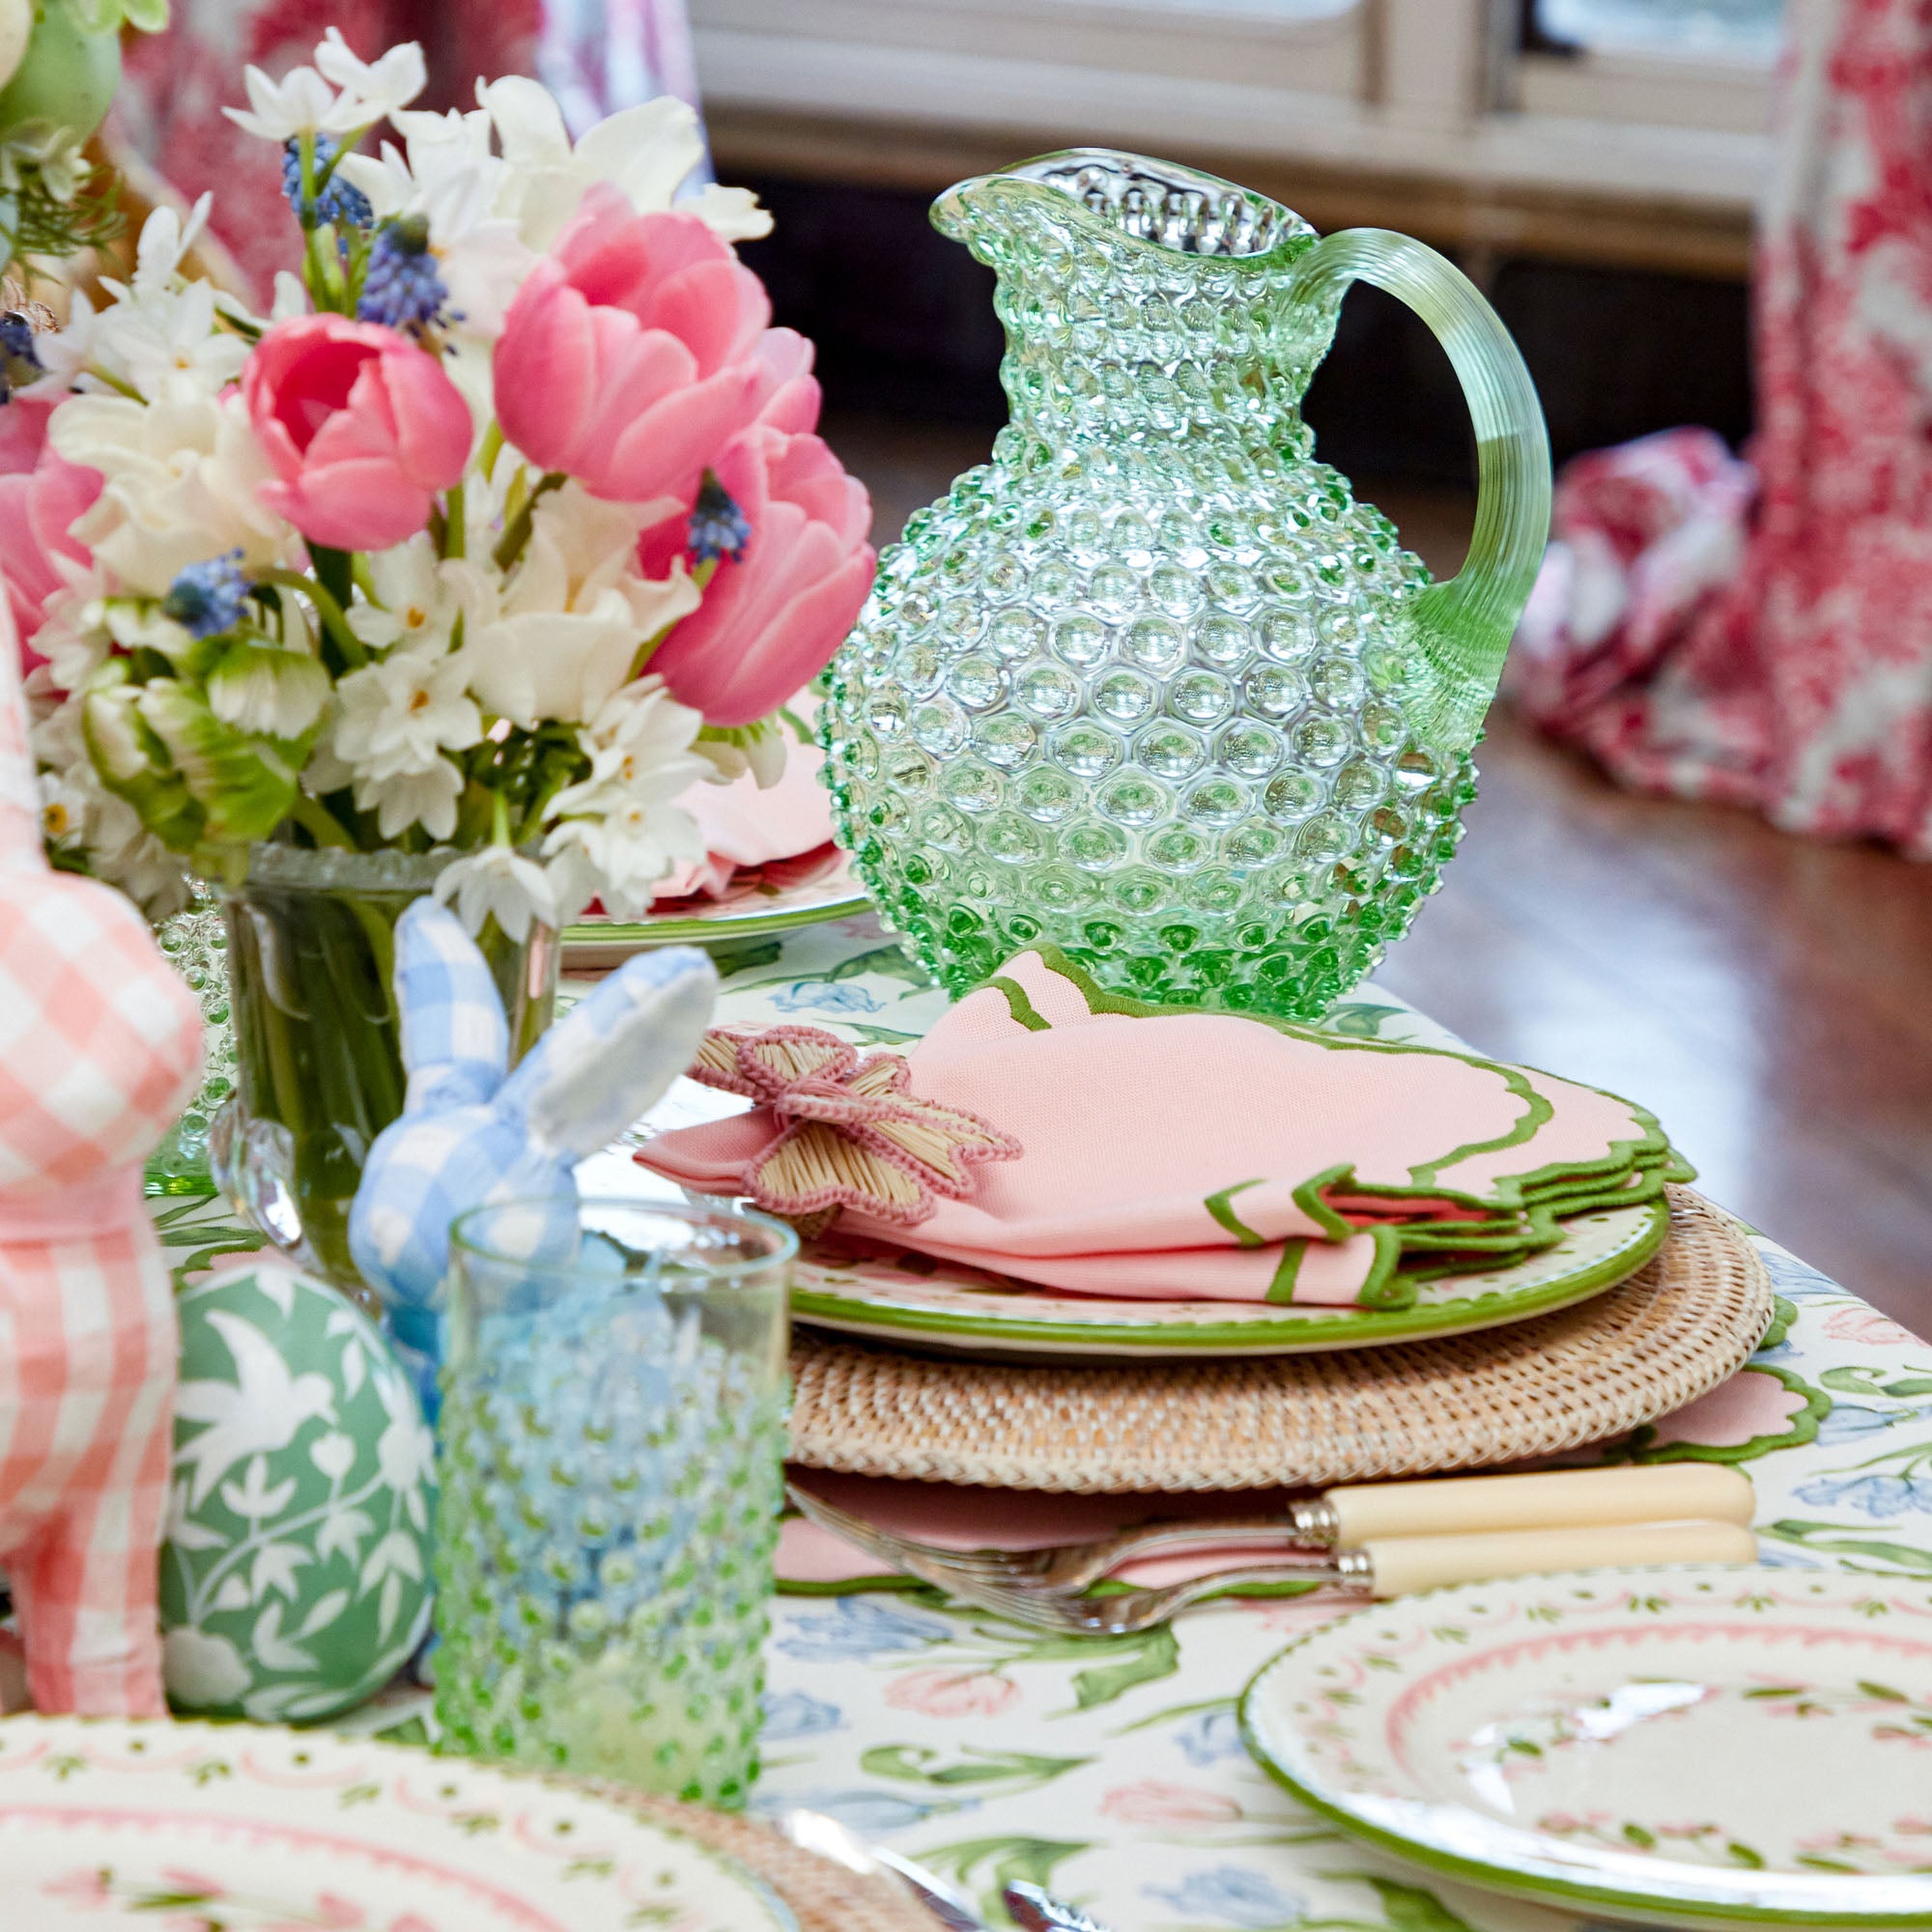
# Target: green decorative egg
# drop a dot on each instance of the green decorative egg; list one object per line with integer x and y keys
{"x": 296, "y": 1581}
{"x": 67, "y": 76}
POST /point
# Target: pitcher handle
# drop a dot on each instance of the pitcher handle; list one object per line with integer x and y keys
{"x": 1463, "y": 627}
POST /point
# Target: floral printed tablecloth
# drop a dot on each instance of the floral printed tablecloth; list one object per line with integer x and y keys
{"x": 1110, "y": 1770}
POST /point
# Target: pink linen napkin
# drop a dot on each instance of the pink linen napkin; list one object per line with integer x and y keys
{"x": 959, "y": 1517}
{"x": 1167, "y": 1153}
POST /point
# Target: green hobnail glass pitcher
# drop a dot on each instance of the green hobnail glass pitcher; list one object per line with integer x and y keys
{"x": 1150, "y": 685}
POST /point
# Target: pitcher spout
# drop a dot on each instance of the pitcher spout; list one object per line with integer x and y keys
{"x": 1159, "y": 203}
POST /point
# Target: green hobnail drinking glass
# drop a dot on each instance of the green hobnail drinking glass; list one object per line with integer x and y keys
{"x": 1150, "y": 685}
{"x": 611, "y": 1436}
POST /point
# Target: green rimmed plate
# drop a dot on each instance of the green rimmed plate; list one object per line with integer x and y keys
{"x": 1690, "y": 1747}
{"x": 914, "y": 1299}
{"x": 250, "y": 1828}
{"x": 777, "y": 899}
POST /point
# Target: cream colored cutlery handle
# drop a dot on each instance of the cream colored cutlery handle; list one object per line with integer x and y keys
{"x": 1560, "y": 1499}
{"x": 1402, "y": 1564}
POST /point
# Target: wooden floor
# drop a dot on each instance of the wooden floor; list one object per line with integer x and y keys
{"x": 1769, "y": 997}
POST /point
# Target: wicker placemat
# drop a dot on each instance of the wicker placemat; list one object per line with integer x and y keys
{"x": 1690, "y": 1318}
{"x": 823, "y": 1896}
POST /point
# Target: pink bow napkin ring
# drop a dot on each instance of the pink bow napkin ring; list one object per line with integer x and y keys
{"x": 851, "y": 1136}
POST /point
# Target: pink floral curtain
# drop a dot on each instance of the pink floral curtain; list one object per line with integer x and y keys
{"x": 1762, "y": 632}
{"x": 179, "y": 81}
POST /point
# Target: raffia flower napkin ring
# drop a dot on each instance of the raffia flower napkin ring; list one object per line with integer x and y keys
{"x": 852, "y": 1136}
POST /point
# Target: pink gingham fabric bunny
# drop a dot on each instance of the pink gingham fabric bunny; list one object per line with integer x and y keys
{"x": 100, "y": 1045}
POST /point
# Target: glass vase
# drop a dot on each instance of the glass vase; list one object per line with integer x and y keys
{"x": 1151, "y": 685}
{"x": 319, "y": 1073}
{"x": 195, "y": 942}
{"x": 613, "y": 1439}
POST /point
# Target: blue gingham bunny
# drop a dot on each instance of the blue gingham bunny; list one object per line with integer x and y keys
{"x": 470, "y": 1134}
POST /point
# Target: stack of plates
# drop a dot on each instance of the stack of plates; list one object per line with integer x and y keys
{"x": 938, "y": 1375}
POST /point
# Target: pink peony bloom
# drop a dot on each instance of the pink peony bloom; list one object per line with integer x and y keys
{"x": 1151, "y": 1803}
{"x": 363, "y": 429}
{"x": 773, "y": 615}
{"x": 630, "y": 357}
{"x": 41, "y": 494}
{"x": 952, "y": 1694}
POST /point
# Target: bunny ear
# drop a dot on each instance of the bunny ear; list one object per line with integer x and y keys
{"x": 612, "y": 1056}
{"x": 455, "y": 1041}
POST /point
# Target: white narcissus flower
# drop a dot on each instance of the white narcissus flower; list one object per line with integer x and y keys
{"x": 181, "y": 477}
{"x": 562, "y": 635}
{"x": 619, "y": 856}
{"x": 424, "y": 796}
{"x": 394, "y": 722}
{"x": 648, "y": 152}
{"x": 302, "y": 102}
{"x": 381, "y": 87}
{"x": 620, "y": 830}
{"x": 150, "y": 336}
{"x": 500, "y": 884}
{"x": 166, "y": 240}
{"x": 415, "y": 603}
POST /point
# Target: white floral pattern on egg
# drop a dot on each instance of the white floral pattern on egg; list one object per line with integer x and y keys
{"x": 296, "y": 1579}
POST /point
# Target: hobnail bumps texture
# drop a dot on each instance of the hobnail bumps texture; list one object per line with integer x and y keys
{"x": 612, "y": 1490}
{"x": 1138, "y": 687}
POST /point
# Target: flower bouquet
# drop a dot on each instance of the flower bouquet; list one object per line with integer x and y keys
{"x": 504, "y": 526}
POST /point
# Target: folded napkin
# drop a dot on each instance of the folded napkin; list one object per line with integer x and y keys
{"x": 744, "y": 827}
{"x": 1050, "y": 1132}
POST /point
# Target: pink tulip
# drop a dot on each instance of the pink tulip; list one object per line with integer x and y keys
{"x": 630, "y": 357}
{"x": 362, "y": 427}
{"x": 773, "y": 615}
{"x": 787, "y": 394}
{"x": 41, "y": 494}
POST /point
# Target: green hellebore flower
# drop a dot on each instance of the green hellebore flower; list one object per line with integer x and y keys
{"x": 244, "y": 783}
{"x": 267, "y": 688}
{"x": 132, "y": 762}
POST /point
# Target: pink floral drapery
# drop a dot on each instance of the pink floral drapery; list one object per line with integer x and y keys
{"x": 1763, "y": 634}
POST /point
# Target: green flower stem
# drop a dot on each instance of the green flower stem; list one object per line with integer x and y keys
{"x": 328, "y": 606}
{"x": 515, "y": 540}
{"x": 493, "y": 447}
{"x": 318, "y": 822}
{"x": 455, "y": 532}
{"x": 115, "y": 383}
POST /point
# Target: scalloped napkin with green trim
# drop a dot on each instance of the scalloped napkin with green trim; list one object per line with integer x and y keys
{"x": 1059, "y": 1134}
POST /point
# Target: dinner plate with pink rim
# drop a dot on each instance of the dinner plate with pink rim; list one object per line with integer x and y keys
{"x": 915, "y": 1300}
{"x": 1693, "y": 1746}
{"x": 244, "y": 1828}
{"x": 775, "y": 899}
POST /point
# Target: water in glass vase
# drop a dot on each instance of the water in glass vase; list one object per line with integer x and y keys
{"x": 1151, "y": 685}
{"x": 311, "y": 965}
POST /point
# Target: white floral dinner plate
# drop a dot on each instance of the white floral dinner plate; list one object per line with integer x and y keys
{"x": 914, "y": 1299}
{"x": 244, "y": 1828}
{"x": 1693, "y": 1746}
{"x": 771, "y": 900}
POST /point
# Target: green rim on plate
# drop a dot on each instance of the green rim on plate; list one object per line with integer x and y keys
{"x": 950, "y": 1306}
{"x": 834, "y": 893}
{"x": 1691, "y": 1745}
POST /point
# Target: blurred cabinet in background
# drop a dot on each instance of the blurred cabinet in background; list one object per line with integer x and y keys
{"x": 1614, "y": 131}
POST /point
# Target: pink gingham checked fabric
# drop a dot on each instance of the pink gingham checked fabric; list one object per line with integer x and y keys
{"x": 99, "y": 1045}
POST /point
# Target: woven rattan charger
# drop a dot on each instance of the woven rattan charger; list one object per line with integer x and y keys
{"x": 1690, "y": 1319}
{"x": 823, "y": 1896}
